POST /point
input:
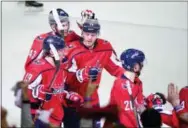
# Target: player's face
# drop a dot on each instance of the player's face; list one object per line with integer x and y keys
{"x": 89, "y": 38}
{"x": 65, "y": 27}
{"x": 137, "y": 68}
{"x": 65, "y": 30}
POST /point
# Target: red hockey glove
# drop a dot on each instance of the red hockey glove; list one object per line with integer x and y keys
{"x": 87, "y": 73}
{"x": 74, "y": 99}
{"x": 42, "y": 93}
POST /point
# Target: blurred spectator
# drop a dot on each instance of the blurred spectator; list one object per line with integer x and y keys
{"x": 4, "y": 123}
{"x": 151, "y": 118}
{"x": 33, "y": 4}
{"x": 26, "y": 119}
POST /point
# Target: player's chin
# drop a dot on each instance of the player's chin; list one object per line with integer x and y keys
{"x": 89, "y": 44}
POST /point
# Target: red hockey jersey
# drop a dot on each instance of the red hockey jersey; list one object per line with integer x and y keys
{"x": 41, "y": 73}
{"x": 170, "y": 118}
{"x": 102, "y": 56}
{"x": 36, "y": 48}
{"x": 121, "y": 97}
{"x": 184, "y": 101}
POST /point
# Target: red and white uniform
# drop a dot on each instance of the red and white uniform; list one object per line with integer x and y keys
{"x": 36, "y": 48}
{"x": 170, "y": 118}
{"x": 184, "y": 102}
{"x": 39, "y": 74}
{"x": 102, "y": 56}
{"x": 121, "y": 97}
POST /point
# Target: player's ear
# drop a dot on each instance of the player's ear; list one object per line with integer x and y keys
{"x": 135, "y": 67}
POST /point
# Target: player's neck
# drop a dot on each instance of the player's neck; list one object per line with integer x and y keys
{"x": 130, "y": 75}
{"x": 50, "y": 60}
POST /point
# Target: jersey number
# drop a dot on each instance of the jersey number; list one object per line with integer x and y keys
{"x": 128, "y": 105}
{"x": 32, "y": 54}
{"x": 28, "y": 77}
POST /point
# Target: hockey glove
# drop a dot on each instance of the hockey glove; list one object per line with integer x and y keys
{"x": 87, "y": 73}
{"x": 74, "y": 99}
{"x": 42, "y": 93}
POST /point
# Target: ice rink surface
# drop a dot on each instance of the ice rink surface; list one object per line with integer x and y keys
{"x": 159, "y": 29}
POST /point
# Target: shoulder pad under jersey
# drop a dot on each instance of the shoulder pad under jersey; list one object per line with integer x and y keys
{"x": 43, "y": 36}
{"x": 104, "y": 43}
{"x": 39, "y": 65}
{"x": 74, "y": 44}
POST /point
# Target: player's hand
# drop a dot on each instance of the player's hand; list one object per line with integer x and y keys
{"x": 74, "y": 98}
{"x": 42, "y": 93}
{"x": 156, "y": 101}
{"x": 88, "y": 73}
{"x": 173, "y": 95}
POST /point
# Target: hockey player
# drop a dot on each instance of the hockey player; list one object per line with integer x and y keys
{"x": 179, "y": 101}
{"x": 156, "y": 101}
{"x": 59, "y": 22}
{"x": 126, "y": 95}
{"x": 60, "y": 25}
{"x": 91, "y": 55}
{"x": 127, "y": 92}
{"x": 46, "y": 77}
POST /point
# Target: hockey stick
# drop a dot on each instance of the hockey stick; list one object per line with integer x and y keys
{"x": 91, "y": 87}
{"x": 133, "y": 104}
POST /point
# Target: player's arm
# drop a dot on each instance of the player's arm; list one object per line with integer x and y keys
{"x": 169, "y": 118}
{"x": 110, "y": 112}
{"x": 180, "y": 105}
{"x": 140, "y": 100}
{"x": 183, "y": 114}
{"x": 35, "y": 50}
{"x": 38, "y": 90}
{"x": 113, "y": 66}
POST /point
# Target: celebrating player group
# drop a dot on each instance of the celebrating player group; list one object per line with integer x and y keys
{"x": 63, "y": 72}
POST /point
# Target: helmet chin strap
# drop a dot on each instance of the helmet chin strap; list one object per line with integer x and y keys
{"x": 138, "y": 73}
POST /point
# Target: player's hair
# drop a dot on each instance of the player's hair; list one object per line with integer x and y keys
{"x": 151, "y": 118}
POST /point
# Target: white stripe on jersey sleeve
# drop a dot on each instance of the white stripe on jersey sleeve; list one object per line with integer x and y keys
{"x": 36, "y": 82}
{"x": 73, "y": 67}
{"x": 115, "y": 60}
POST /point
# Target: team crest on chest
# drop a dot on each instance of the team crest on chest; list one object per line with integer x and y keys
{"x": 124, "y": 86}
